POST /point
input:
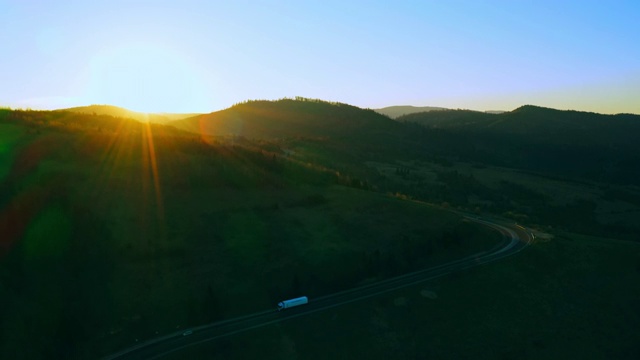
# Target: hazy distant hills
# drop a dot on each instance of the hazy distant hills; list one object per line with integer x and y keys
{"x": 568, "y": 143}
{"x": 543, "y": 124}
{"x": 115, "y": 111}
{"x": 290, "y": 118}
{"x": 397, "y": 111}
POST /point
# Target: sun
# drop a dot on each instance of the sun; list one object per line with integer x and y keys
{"x": 145, "y": 77}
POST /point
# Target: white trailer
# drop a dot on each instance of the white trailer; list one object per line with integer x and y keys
{"x": 285, "y": 304}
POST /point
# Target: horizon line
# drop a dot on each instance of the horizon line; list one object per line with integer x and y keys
{"x": 440, "y": 108}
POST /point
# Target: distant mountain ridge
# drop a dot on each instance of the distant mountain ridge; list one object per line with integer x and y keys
{"x": 160, "y": 118}
{"x": 571, "y": 143}
{"x": 495, "y": 111}
{"x": 400, "y": 110}
{"x": 559, "y": 126}
{"x": 395, "y": 112}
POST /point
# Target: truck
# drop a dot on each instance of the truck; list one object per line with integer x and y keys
{"x": 285, "y": 304}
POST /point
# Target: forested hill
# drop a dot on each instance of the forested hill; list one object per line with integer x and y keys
{"x": 288, "y": 118}
{"x": 569, "y": 143}
{"x": 542, "y": 124}
{"x": 564, "y": 143}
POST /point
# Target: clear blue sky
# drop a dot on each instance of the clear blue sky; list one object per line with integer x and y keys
{"x": 201, "y": 56}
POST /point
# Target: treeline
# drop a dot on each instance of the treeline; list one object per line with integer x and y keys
{"x": 295, "y": 98}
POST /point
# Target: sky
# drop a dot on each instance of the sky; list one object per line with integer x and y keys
{"x": 203, "y": 56}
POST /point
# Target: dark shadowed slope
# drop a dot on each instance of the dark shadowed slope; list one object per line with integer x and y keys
{"x": 544, "y": 124}
{"x": 116, "y": 111}
{"x": 570, "y": 143}
{"x": 115, "y": 230}
{"x": 397, "y": 111}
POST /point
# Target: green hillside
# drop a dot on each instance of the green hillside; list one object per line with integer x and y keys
{"x": 116, "y": 230}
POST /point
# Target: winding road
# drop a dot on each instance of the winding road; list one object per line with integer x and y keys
{"x": 516, "y": 239}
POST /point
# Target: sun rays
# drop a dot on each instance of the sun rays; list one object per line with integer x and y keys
{"x": 130, "y": 165}
{"x": 152, "y": 159}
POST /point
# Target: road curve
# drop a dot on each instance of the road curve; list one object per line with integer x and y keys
{"x": 516, "y": 239}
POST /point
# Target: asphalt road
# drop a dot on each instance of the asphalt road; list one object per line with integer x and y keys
{"x": 516, "y": 239}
